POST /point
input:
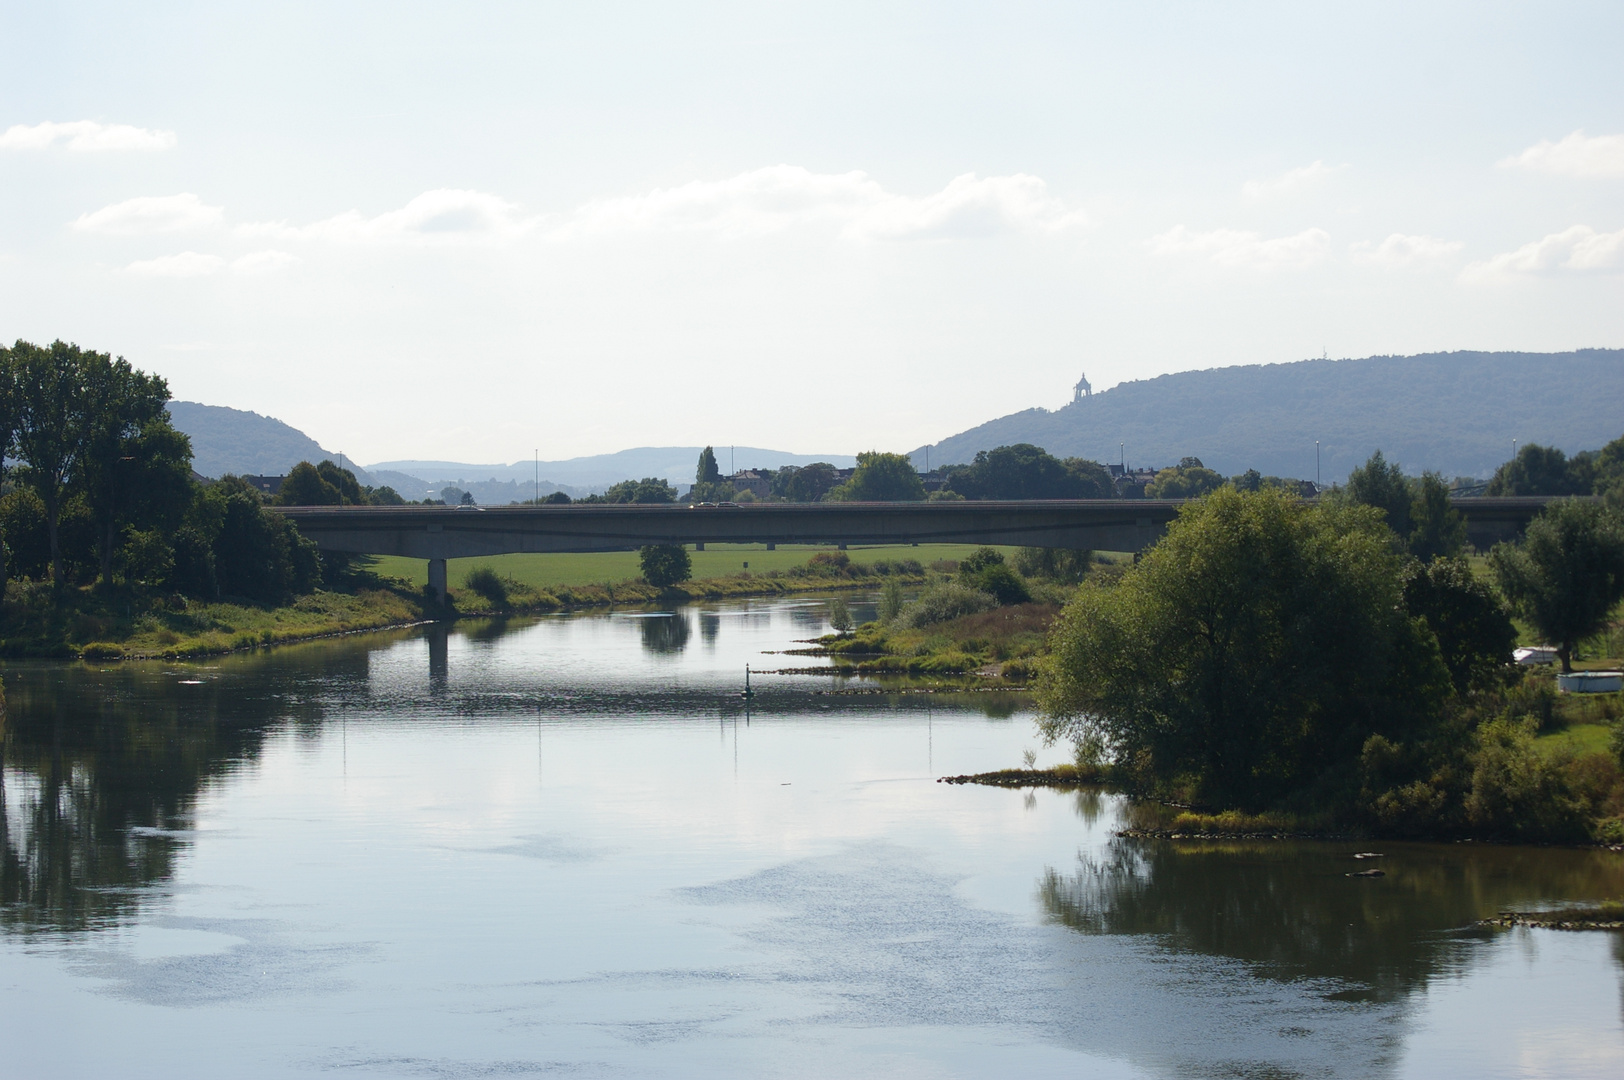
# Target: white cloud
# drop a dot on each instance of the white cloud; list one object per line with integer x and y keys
{"x": 151, "y": 214}
{"x": 1577, "y": 155}
{"x": 84, "y": 136}
{"x": 1401, "y": 250}
{"x": 782, "y": 197}
{"x": 190, "y": 264}
{"x": 445, "y": 215}
{"x": 268, "y": 261}
{"x": 184, "y": 265}
{"x": 1232, "y": 247}
{"x": 1579, "y": 248}
{"x": 1289, "y": 182}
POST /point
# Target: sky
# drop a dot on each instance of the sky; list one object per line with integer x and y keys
{"x": 482, "y": 231}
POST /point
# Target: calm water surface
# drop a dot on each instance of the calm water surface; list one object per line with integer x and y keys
{"x": 565, "y": 848}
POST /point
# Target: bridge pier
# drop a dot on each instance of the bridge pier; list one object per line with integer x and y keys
{"x": 437, "y": 579}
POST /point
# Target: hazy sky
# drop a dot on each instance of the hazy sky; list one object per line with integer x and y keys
{"x": 468, "y": 231}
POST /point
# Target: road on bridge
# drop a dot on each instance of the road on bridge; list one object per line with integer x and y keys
{"x": 437, "y": 533}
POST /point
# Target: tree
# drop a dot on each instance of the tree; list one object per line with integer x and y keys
{"x": 1021, "y": 471}
{"x": 881, "y": 477}
{"x": 1069, "y": 565}
{"x": 664, "y": 565}
{"x": 1249, "y": 655}
{"x": 1567, "y": 574}
{"x": 1184, "y": 482}
{"x": 805, "y": 484}
{"x": 1383, "y": 485}
{"x": 708, "y": 472}
{"x": 305, "y": 486}
{"x": 52, "y": 413}
{"x": 343, "y": 481}
{"x": 1474, "y": 631}
{"x": 1094, "y": 479}
{"x": 1437, "y": 529}
{"x": 650, "y": 489}
{"x": 1538, "y": 470}
{"x": 258, "y": 554}
{"x": 8, "y": 439}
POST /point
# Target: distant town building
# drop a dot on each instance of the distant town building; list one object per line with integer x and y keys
{"x": 1081, "y": 390}
{"x": 270, "y": 485}
{"x": 756, "y": 481}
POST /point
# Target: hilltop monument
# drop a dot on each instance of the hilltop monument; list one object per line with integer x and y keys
{"x": 1081, "y": 390}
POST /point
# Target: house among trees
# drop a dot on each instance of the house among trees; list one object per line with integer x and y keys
{"x": 759, "y": 482}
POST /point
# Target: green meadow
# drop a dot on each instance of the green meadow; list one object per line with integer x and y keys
{"x": 717, "y": 560}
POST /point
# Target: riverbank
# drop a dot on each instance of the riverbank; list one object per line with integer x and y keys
{"x": 94, "y": 624}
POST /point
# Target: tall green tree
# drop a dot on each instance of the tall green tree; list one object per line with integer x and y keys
{"x": 130, "y": 459}
{"x": 806, "y": 483}
{"x": 1474, "y": 630}
{"x": 306, "y": 486}
{"x": 1539, "y": 470}
{"x": 1567, "y": 574}
{"x": 53, "y": 412}
{"x": 1437, "y": 529}
{"x": 8, "y": 440}
{"x": 1249, "y": 655}
{"x": 881, "y": 477}
{"x": 1022, "y": 471}
{"x": 1382, "y": 484}
{"x": 650, "y": 489}
{"x": 1189, "y": 479}
{"x": 708, "y": 472}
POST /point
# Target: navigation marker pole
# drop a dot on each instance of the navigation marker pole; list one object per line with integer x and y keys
{"x": 747, "y": 691}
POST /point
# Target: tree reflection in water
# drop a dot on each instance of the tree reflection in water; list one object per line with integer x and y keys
{"x": 666, "y": 635}
{"x": 100, "y": 772}
{"x": 1290, "y": 910}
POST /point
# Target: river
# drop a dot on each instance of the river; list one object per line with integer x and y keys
{"x": 569, "y": 846}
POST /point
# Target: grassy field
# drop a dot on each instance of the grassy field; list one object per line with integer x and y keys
{"x": 717, "y": 560}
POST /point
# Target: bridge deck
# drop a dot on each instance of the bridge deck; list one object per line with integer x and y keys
{"x": 438, "y": 532}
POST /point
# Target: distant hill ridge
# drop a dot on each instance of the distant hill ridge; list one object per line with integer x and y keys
{"x": 226, "y": 440}
{"x": 1455, "y": 412}
{"x": 236, "y": 441}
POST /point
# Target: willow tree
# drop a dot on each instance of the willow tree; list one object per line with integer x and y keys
{"x": 1567, "y": 574}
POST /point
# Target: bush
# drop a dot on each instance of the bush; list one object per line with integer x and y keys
{"x": 942, "y": 602}
{"x": 1069, "y": 565}
{"x": 665, "y": 565}
{"x": 1517, "y": 794}
{"x": 1002, "y": 583}
{"x": 840, "y": 615}
{"x": 483, "y": 580}
{"x": 890, "y": 601}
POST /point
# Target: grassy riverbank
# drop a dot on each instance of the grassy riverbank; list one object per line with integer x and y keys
{"x": 100, "y": 624}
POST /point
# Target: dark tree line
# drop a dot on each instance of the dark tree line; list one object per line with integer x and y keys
{"x": 103, "y": 488}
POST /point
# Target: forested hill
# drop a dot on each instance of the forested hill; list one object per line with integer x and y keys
{"x": 235, "y": 441}
{"x": 1454, "y": 412}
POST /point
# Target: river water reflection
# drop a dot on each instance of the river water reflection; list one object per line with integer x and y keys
{"x": 567, "y": 847}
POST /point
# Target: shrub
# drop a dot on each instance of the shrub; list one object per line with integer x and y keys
{"x": 840, "y": 615}
{"x": 890, "y": 600}
{"x": 1054, "y": 564}
{"x": 1518, "y": 794}
{"x": 942, "y": 602}
{"x": 483, "y": 580}
{"x": 665, "y": 565}
{"x": 1002, "y": 583}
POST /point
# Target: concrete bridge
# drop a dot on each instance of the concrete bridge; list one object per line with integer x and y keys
{"x": 438, "y": 533}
